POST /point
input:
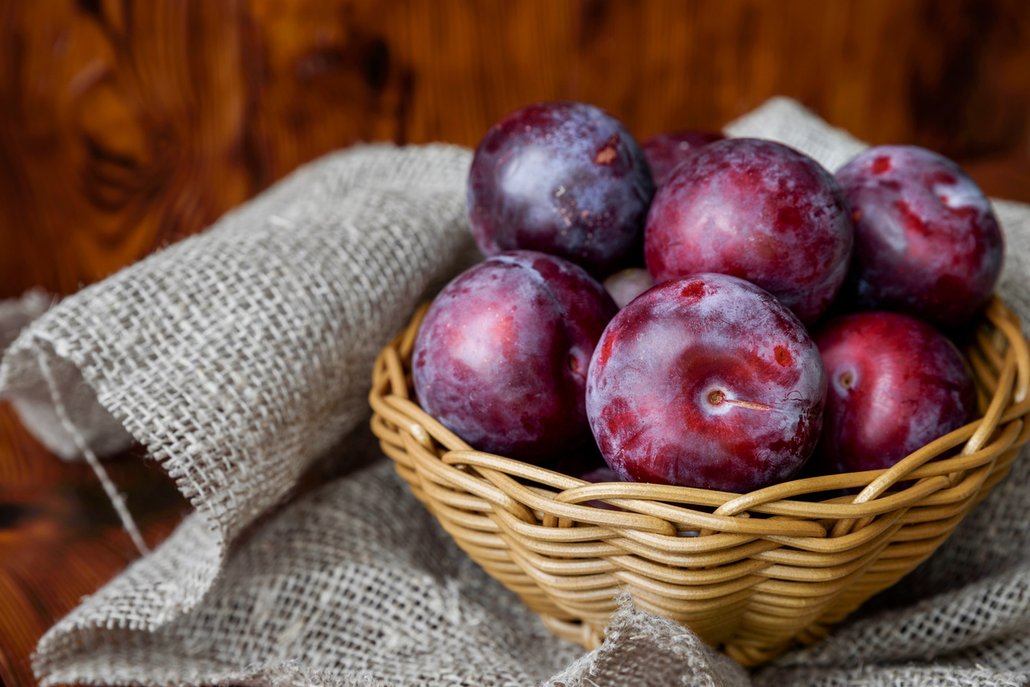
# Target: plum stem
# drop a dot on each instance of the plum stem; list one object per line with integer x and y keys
{"x": 717, "y": 398}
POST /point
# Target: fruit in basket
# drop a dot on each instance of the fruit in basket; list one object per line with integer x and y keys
{"x": 706, "y": 381}
{"x": 895, "y": 385}
{"x": 627, "y": 284}
{"x": 501, "y": 356}
{"x": 709, "y": 382}
{"x": 758, "y": 210}
{"x": 926, "y": 239}
{"x": 665, "y": 151}
{"x": 563, "y": 178}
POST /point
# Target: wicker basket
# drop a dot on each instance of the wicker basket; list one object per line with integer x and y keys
{"x": 767, "y": 569}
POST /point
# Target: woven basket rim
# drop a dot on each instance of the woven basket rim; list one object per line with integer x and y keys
{"x": 926, "y": 470}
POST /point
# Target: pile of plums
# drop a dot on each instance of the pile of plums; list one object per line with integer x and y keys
{"x": 786, "y": 315}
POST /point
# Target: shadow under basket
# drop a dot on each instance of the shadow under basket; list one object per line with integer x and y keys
{"x": 752, "y": 574}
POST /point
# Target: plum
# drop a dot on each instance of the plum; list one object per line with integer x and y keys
{"x": 627, "y": 284}
{"x": 926, "y": 240}
{"x": 758, "y": 210}
{"x": 501, "y": 357}
{"x": 706, "y": 381}
{"x": 896, "y": 384}
{"x": 665, "y": 151}
{"x": 563, "y": 178}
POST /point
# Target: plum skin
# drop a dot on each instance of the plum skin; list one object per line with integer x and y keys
{"x": 666, "y": 151}
{"x": 926, "y": 239}
{"x": 758, "y": 210}
{"x": 706, "y": 381}
{"x": 501, "y": 356}
{"x": 895, "y": 385}
{"x": 563, "y": 178}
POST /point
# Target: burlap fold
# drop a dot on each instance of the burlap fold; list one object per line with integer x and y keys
{"x": 240, "y": 356}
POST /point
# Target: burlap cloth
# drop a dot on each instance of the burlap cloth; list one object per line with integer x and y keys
{"x": 241, "y": 357}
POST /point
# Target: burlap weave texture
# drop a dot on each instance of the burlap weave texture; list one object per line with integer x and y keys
{"x": 239, "y": 357}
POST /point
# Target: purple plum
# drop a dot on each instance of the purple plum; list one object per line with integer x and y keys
{"x": 501, "y": 357}
{"x": 706, "y": 381}
{"x": 895, "y": 384}
{"x": 926, "y": 240}
{"x": 562, "y": 178}
{"x": 757, "y": 210}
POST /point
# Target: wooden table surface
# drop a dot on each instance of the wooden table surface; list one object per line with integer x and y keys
{"x": 127, "y": 125}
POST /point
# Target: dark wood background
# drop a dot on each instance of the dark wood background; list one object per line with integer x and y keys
{"x": 127, "y": 125}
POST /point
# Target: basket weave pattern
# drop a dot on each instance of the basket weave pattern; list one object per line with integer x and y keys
{"x": 751, "y": 573}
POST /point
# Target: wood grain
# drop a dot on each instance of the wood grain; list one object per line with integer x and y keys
{"x": 126, "y": 125}
{"x": 60, "y": 538}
